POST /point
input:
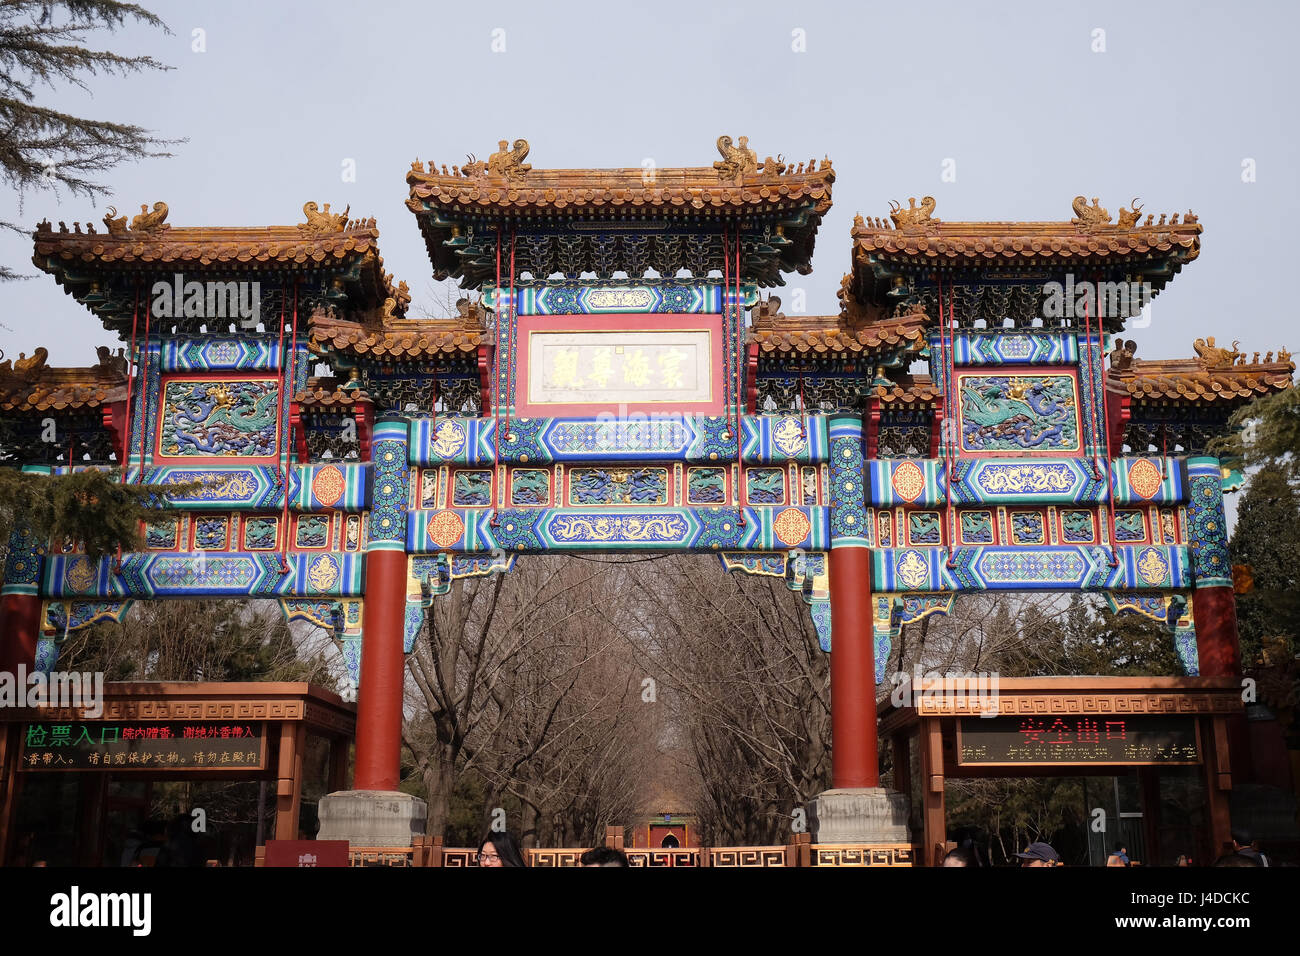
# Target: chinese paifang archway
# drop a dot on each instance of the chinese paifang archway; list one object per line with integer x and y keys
{"x": 621, "y": 384}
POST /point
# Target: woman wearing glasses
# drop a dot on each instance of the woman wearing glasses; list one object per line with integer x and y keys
{"x": 499, "y": 849}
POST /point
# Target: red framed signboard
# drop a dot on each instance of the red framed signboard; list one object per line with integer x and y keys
{"x": 574, "y": 366}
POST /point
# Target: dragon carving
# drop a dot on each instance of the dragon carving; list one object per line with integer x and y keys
{"x": 320, "y": 223}
{"x": 737, "y": 161}
{"x": 912, "y": 216}
{"x": 1086, "y": 215}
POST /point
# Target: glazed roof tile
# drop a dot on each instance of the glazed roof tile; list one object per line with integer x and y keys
{"x": 28, "y": 384}
{"x": 400, "y": 339}
{"x": 1215, "y": 375}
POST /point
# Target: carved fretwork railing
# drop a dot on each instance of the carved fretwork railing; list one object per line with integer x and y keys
{"x": 800, "y": 852}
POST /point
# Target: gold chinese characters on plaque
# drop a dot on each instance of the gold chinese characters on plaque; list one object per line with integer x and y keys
{"x": 633, "y": 367}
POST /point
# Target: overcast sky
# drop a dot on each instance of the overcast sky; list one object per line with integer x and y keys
{"x": 1015, "y": 94}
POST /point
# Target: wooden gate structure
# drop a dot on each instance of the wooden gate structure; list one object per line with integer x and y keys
{"x": 620, "y": 384}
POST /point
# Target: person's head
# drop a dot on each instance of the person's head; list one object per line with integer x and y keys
{"x": 961, "y": 856}
{"x": 499, "y": 849}
{"x": 1119, "y": 848}
{"x": 1237, "y": 859}
{"x": 1242, "y": 838}
{"x": 1038, "y": 854}
{"x": 603, "y": 856}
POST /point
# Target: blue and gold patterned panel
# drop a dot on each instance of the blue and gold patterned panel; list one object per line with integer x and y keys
{"x": 976, "y": 527}
{"x": 1142, "y": 480}
{"x": 846, "y": 495}
{"x": 609, "y": 300}
{"x": 312, "y": 531}
{"x": 210, "y": 532}
{"x": 765, "y": 486}
{"x": 261, "y": 533}
{"x": 1027, "y": 527}
{"x": 1030, "y": 569}
{"x": 924, "y": 527}
{"x": 219, "y": 418}
{"x": 618, "y": 486}
{"x": 530, "y": 486}
{"x": 1011, "y": 482}
{"x": 690, "y": 438}
{"x": 777, "y": 439}
{"x": 1078, "y": 527}
{"x": 164, "y": 535}
{"x": 918, "y": 482}
{"x": 1130, "y": 525}
{"x": 1207, "y": 531}
{"x": 623, "y": 529}
{"x": 1008, "y": 347}
{"x": 706, "y": 486}
{"x": 222, "y": 355}
{"x": 472, "y": 488}
{"x": 229, "y": 573}
{"x": 342, "y": 487}
{"x": 1030, "y": 413}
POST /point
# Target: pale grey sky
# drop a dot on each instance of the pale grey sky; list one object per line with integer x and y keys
{"x": 1011, "y": 91}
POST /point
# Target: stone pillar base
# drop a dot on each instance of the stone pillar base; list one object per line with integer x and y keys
{"x": 869, "y": 815}
{"x": 371, "y": 818}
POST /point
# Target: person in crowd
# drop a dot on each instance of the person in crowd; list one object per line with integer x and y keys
{"x": 182, "y": 847}
{"x": 1237, "y": 859}
{"x": 961, "y": 856}
{"x": 1245, "y": 844}
{"x": 603, "y": 856}
{"x": 499, "y": 848}
{"x": 1183, "y": 860}
{"x": 1039, "y": 854}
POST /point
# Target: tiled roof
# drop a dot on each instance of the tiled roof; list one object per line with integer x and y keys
{"x": 326, "y": 394}
{"x": 27, "y": 384}
{"x": 779, "y": 334}
{"x": 506, "y": 182}
{"x": 909, "y": 390}
{"x": 1215, "y": 375}
{"x": 1089, "y": 236}
{"x": 394, "y": 338}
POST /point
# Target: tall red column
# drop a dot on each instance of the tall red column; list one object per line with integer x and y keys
{"x": 1214, "y": 605}
{"x": 383, "y": 670}
{"x": 20, "y": 623}
{"x": 853, "y": 669}
{"x": 379, "y": 698}
{"x": 854, "y": 761}
{"x": 20, "y": 600}
{"x": 1217, "y": 644}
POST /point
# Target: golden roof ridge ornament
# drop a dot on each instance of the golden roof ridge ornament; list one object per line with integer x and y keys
{"x": 145, "y": 222}
{"x": 1089, "y": 216}
{"x": 913, "y": 217}
{"x": 737, "y": 161}
{"x": 507, "y": 161}
{"x": 323, "y": 223}
{"x": 1129, "y": 219}
{"x": 1209, "y": 355}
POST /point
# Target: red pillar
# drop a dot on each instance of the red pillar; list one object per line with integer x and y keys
{"x": 379, "y": 699}
{"x": 20, "y": 629}
{"x": 853, "y": 672}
